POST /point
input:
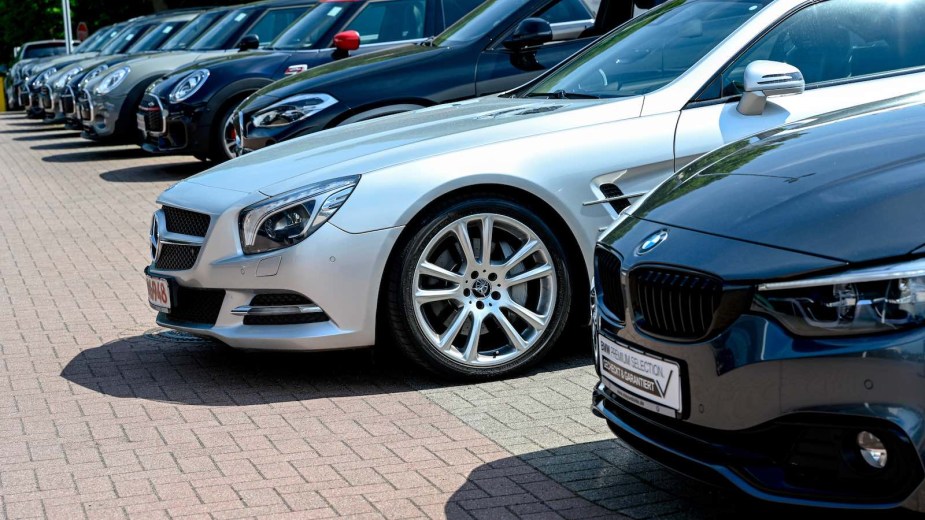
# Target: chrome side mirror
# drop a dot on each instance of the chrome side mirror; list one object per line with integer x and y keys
{"x": 765, "y": 79}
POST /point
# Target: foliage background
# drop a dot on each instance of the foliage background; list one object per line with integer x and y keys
{"x": 28, "y": 20}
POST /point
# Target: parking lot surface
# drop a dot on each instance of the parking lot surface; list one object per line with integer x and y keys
{"x": 105, "y": 415}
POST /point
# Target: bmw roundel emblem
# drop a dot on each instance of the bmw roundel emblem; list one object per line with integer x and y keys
{"x": 652, "y": 241}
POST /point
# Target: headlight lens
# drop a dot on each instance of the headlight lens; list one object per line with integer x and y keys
{"x": 43, "y": 77}
{"x": 67, "y": 77}
{"x": 189, "y": 85}
{"x": 289, "y": 218}
{"x": 292, "y": 109}
{"x": 867, "y": 301}
{"x": 92, "y": 75}
{"x": 112, "y": 80}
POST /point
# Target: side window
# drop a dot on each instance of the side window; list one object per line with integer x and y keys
{"x": 390, "y": 21}
{"x": 564, "y": 11}
{"x": 455, "y": 9}
{"x": 273, "y": 22}
{"x": 840, "y": 39}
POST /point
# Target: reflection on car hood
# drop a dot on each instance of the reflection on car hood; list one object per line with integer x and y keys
{"x": 372, "y": 145}
{"x": 848, "y": 186}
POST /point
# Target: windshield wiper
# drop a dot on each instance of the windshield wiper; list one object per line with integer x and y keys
{"x": 562, "y": 94}
{"x": 429, "y": 42}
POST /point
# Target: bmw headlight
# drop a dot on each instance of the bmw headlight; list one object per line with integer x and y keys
{"x": 92, "y": 75}
{"x": 64, "y": 78}
{"x": 292, "y": 109}
{"x": 43, "y": 77}
{"x": 189, "y": 85}
{"x": 865, "y": 301}
{"x": 112, "y": 80}
{"x": 289, "y": 218}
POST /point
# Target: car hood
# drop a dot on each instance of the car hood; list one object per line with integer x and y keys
{"x": 237, "y": 60}
{"x": 846, "y": 186}
{"x": 324, "y": 77}
{"x": 365, "y": 147}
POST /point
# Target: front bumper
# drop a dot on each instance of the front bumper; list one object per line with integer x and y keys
{"x": 173, "y": 129}
{"x": 99, "y": 115}
{"x": 331, "y": 268}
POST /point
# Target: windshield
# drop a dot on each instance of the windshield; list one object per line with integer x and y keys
{"x": 219, "y": 35}
{"x": 188, "y": 34}
{"x": 118, "y": 44}
{"x": 479, "y": 22}
{"x": 307, "y": 30}
{"x": 650, "y": 52}
{"x": 106, "y": 36}
{"x": 156, "y": 36}
{"x": 43, "y": 50}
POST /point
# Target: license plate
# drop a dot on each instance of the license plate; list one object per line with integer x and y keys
{"x": 158, "y": 293}
{"x": 140, "y": 121}
{"x": 648, "y": 381}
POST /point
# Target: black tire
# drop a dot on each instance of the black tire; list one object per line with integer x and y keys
{"x": 217, "y": 151}
{"x": 407, "y": 335}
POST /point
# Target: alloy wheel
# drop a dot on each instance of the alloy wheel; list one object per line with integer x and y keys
{"x": 484, "y": 289}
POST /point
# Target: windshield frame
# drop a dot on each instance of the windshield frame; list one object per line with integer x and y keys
{"x": 531, "y": 89}
{"x": 105, "y": 38}
{"x": 151, "y": 35}
{"x": 118, "y": 45}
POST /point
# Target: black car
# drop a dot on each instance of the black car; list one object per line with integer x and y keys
{"x": 760, "y": 316}
{"x": 199, "y": 124}
{"x": 496, "y": 47}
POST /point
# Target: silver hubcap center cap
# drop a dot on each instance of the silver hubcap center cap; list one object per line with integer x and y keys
{"x": 481, "y": 288}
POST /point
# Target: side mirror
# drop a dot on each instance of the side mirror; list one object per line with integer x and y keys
{"x": 249, "y": 42}
{"x": 531, "y": 32}
{"x": 347, "y": 41}
{"x": 766, "y": 79}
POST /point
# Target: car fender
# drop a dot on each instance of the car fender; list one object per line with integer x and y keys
{"x": 236, "y": 88}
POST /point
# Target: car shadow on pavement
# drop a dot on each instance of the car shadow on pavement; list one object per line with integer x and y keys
{"x": 98, "y": 155}
{"x": 167, "y": 366}
{"x": 73, "y": 144}
{"x": 62, "y": 134}
{"x": 608, "y": 479}
{"x": 155, "y": 172}
{"x": 31, "y": 128}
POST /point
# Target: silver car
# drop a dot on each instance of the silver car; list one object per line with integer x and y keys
{"x": 464, "y": 232}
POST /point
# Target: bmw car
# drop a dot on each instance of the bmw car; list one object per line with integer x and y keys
{"x": 761, "y": 314}
{"x": 465, "y": 232}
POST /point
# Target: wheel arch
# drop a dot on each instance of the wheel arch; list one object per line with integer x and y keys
{"x": 581, "y": 284}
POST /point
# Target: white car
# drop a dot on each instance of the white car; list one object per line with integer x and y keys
{"x": 465, "y": 231}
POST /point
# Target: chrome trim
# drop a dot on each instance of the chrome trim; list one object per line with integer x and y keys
{"x": 613, "y": 199}
{"x": 164, "y": 113}
{"x": 275, "y": 310}
{"x": 69, "y": 91}
{"x": 913, "y": 269}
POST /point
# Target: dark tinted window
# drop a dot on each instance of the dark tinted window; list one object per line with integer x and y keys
{"x": 188, "y": 34}
{"x": 564, "y": 11}
{"x": 390, "y": 21}
{"x": 275, "y": 22}
{"x": 455, "y": 9}
{"x": 155, "y": 37}
{"x": 219, "y": 35}
{"x": 841, "y": 39}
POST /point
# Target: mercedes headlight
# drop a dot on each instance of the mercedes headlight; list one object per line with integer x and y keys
{"x": 189, "y": 85}
{"x": 64, "y": 78}
{"x": 292, "y": 109}
{"x": 43, "y": 77}
{"x": 112, "y": 80}
{"x": 866, "y": 301}
{"x": 289, "y": 218}
{"x": 92, "y": 75}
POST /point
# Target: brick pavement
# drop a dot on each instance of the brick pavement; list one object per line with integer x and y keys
{"x": 105, "y": 415}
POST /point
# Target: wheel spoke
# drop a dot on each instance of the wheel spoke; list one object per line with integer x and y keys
{"x": 528, "y": 249}
{"x": 534, "y": 320}
{"x": 528, "y": 276}
{"x": 472, "y": 344}
{"x": 429, "y": 269}
{"x": 517, "y": 341}
{"x": 462, "y": 234}
{"x": 446, "y": 339}
{"x": 488, "y": 224}
{"x": 422, "y": 296}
